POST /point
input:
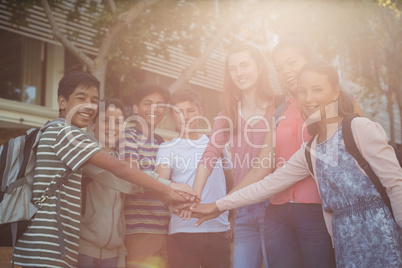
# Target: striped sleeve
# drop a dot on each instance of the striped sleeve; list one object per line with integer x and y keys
{"x": 73, "y": 147}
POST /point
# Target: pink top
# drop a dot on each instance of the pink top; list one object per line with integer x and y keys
{"x": 290, "y": 135}
{"x": 372, "y": 142}
{"x": 245, "y": 145}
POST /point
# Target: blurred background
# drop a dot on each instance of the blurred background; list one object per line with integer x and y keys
{"x": 183, "y": 44}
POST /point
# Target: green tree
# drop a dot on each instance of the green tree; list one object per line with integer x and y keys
{"x": 362, "y": 36}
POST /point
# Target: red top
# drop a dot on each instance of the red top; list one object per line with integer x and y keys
{"x": 290, "y": 134}
{"x": 244, "y": 145}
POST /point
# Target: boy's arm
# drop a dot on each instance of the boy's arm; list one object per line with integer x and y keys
{"x": 164, "y": 171}
{"x": 201, "y": 177}
{"x": 122, "y": 170}
{"x": 107, "y": 179}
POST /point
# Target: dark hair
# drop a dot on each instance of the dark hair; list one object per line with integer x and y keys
{"x": 106, "y": 102}
{"x": 185, "y": 95}
{"x": 148, "y": 88}
{"x": 72, "y": 80}
{"x": 345, "y": 100}
{"x": 232, "y": 95}
{"x": 301, "y": 46}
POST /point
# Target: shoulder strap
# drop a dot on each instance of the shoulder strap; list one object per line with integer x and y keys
{"x": 53, "y": 122}
{"x": 351, "y": 147}
{"x": 30, "y": 140}
{"x": 30, "y": 144}
{"x": 279, "y": 111}
{"x": 307, "y": 153}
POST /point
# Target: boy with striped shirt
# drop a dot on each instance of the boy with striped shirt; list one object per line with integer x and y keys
{"x": 52, "y": 238}
{"x": 147, "y": 219}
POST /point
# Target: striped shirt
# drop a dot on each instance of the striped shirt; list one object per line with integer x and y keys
{"x": 60, "y": 146}
{"x": 143, "y": 214}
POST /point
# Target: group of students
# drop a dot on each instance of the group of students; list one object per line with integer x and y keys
{"x": 286, "y": 216}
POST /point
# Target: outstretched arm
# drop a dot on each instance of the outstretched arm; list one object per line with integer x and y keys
{"x": 201, "y": 177}
{"x": 109, "y": 180}
{"x": 122, "y": 170}
{"x": 164, "y": 171}
{"x": 262, "y": 167}
{"x": 293, "y": 171}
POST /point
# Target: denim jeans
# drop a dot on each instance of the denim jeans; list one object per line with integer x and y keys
{"x": 192, "y": 250}
{"x": 296, "y": 236}
{"x": 85, "y": 261}
{"x": 249, "y": 246}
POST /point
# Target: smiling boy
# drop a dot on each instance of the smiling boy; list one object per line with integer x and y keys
{"x": 52, "y": 238}
{"x": 190, "y": 246}
{"x": 147, "y": 219}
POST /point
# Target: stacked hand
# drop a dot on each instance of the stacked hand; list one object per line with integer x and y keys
{"x": 188, "y": 205}
{"x": 185, "y": 191}
{"x": 189, "y": 210}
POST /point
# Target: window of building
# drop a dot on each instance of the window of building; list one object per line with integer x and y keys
{"x": 22, "y": 65}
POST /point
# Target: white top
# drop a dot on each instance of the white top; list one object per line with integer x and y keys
{"x": 182, "y": 156}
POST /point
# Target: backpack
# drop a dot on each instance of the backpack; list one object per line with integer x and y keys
{"x": 351, "y": 147}
{"x": 17, "y": 169}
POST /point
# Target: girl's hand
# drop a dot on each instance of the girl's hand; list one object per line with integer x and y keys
{"x": 205, "y": 212}
{"x": 176, "y": 208}
{"x": 185, "y": 214}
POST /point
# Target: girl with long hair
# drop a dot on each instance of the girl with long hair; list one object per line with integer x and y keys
{"x": 243, "y": 123}
{"x": 363, "y": 231}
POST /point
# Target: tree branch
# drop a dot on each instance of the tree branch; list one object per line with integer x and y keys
{"x": 112, "y": 6}
{"x": 121, "y": 23}
{"x": 62, "y": 37}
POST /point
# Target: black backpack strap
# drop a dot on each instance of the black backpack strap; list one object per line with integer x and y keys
{"x": 351, "y": 147}
{"x": 29, "y": 143}
{"x": 3, "y": 161}
{"x": 50, "y": 192}
{"x": 307, "y": 153}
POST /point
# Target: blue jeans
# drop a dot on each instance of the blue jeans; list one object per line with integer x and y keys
{"x": 249, "y": 246}
{"x": 195, "y": 250}
{"x": 296, "y": 236}
{"x": 85, "y": 261}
